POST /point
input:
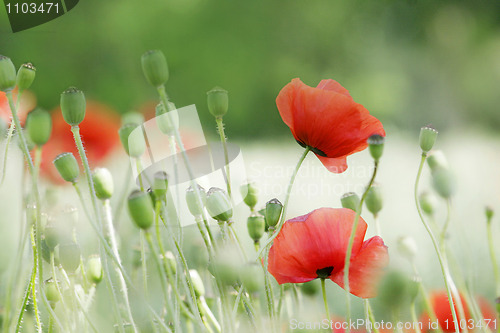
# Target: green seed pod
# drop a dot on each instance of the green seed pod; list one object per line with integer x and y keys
{"x": 350, "y": 200}
{"x": 155, "y": 68}
{"x": 263, "y": 213}
{"x": 52, "y": 236}
{"x": 256, "y": 226}
{"x": 488, "y": 211}
{"x": 437, "y": 160}
{"x": 25, "y": 76}
{"x": 69, "y": 256}
{"x": 140, "y": 208}
{"x": 217, "y": 100}
{"x": 166, "y": 119}
{"x": 376, "y": 146}
{"x": 273, "y": 212}
{"x": 428, "y": 203}
{"x": 249, "y": 192}
{"x": 428, "y": 136}
{"x": 407, "y": 247}
{"x": 51, "y": 291}
{"x": 67, "y": 166}
{"x": 133, "y": 141}
{"x": 395, "y": 291}
{"x": 39, "y": 126}
{"x": 192, "y": 200}
{"x": 73, "y": 106}
{"x": 374, "y": 200}
{"x": 7, "y": 74}
{"x": 94, "y": 269}
{"x": 171, "y": 262}
{"x": 219, "y": 205}
{"x": 132, "y": 117}
{"x": 103, "y": 183}
{"x": 160, "y": 185}
{"x": 252, "y": 277}
{"x": 444, "y": 182}
{"x": 199, "y": 288}
{"x": 310, "y": 288}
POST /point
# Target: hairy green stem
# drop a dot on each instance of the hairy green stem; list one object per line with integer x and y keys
{"x": 220, "y": 129}
{"x": 323, "y": 291}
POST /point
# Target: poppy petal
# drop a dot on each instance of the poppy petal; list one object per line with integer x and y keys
{"x": 366, "y": 268}
{"x": 333, "y": 86}
{"x": 335, "y": 165}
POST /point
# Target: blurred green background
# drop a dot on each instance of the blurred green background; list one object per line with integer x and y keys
{"x": 408, "y": 62}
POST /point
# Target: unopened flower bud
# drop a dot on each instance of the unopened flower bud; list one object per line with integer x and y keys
{"x": 132, "y": 117}
{"x": 39, "y": 126}
{"x": 407, "y": 247}
{"x": 488, "y": 210}
{"x": 94, "y": 269}
{"x": 217, "y": 100}
{"x": 437, "y": 160}
{"x": 52, "y": 236}
{"x": 67, "y": 166}
{"x": 199, "y": 288}
{"x": 252, "y": 277}
{"x": 103, "y": 183}
{"x": 25, "y": 76}
{"x": 7, "y": 74}
{"x": 428, "y": 136}
{"x": 273, "y": 212}
{"x": 310, "y": 288}
{"x": 69, "y": 256}
{"x": 256, "y": 226}
{"x": 73, "y": 106}
{"x": 374, "y": 200}
{"x": 350, "y": 200}
{"x": 444, "y": 182}
{"x": 376, "y": 146}
{"x": 428, "y": 203}
{"x": 193, "y": 202}
{"x": 132, "y": 140}
{"x": 160, "y": 185}
{"x": 140, "y": 208}
{"x": 219, "y": 205}
{"x": 167, "y": 119}
{"x": 155, "y": 68}
{"x": 249, "y": 192}
{"x": 51, "y": 291}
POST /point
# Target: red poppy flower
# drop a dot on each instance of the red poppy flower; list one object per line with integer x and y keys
{"x": 314, "y": 246}
{"x": 99, "y": 131}
{"x": 441, "y": 306}
{"x": 327, "y": 120}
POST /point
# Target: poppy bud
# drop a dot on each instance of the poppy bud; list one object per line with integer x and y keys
{"x": 374, "y": 200}
{"x": 39, "y": 126}
{"x": 256, "y": 227}
{"x": 133, "y": 142}
{"x": 199, "y": 288}
{"x": 132, "y": 117}
{"x": 273, "y": 212}
{"x": 67, "y": 166}
{"x": 428, "y": 135}
{"x": 310, "y": 288}
{"x": 407, "y": 247}
{"x": 489, "y": 212}
{"x": 141, "y": 209}
{"x": 52, "y": 236}
{"x": 428, "y": 203}
{"x": 443, "y": 182}
{"x": 25, "y": 76}
{"x": 73, "y": 106}
{"x": 69, "y": 256}
{"x": 217, "y": 100}
{"x": 51, "y": 291}
{"x": 219, "y": 205}
{"x": 103, "y": 183}
{"x": 193, "y": 202}
{"x": 436, "y": 160}
{"x": 160, "y": 184}
{"x": 94, "y": 269}
{"x": 395, "y": 290}
{"x": 155, "y": 68}
{"x": 350, "y": 200}
{"x": 167, "y": 120}
{"x": 249, "y": 193}
{"x": 7, "y": 74}
{"x": 171, "y": 262}
{"x": 376, "y": 146}
{"x": 252, "y": 277}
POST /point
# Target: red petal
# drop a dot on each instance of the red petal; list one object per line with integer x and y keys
{"x": 333, "y": 86}
{"x": 335, "y": 165}
{"x": 366, "y": 268}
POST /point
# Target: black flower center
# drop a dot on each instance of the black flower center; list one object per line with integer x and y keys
{"x": 314, "y": 150}
{"x": 324, "y": 273}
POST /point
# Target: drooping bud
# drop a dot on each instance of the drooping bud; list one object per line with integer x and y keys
{"x": 218, "y": 205}
{"x": 218, "y": 102}
{"x": 103, "y": 183}
{"x": 252, "y": 277}
{"x": 428, "y": 203}
{"x": 133, "y": 141}
{"x": 488, "y": 211}
{"x": 256, "y": 226}
{"x": 132, "y": 117}
{"x": 67, "y": 166}
{"x": 199, "y": 288}
{"x": 39, "y": 126}
{"x": 73, "y": 106}
{"x": 350, "y": 200}
{"x": 140, "y": 208}
{"x": 167, "y": 119}
{"x": 444, "y": 182}
{"x": 376, "y": 146}
{"x": 94, "y": 269}
{"x": 69, "y": 256}
{"x": 249, "y": 192}
{"x": 193, "y": 202}
{"x": 25, "y": 76}
{"x": 155, "y": 68}
{"x": 374, "y": 200}
{"x": 310, "y": 288}
{"x": 428, "y": 136}
{"x": 407, "y": 247}
{"x": 7, "y": 74}
{"x": 160, "y": 185}
{"x": 437, "y": 160}
{"x": 273, "y": 212}
{"x": 51, "y": 291}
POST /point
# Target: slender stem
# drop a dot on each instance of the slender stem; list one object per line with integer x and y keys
{"x": 173, "y": 149}
{"x": 323, "y": 290}
{"x": 371, "y": 316}
{"x": 33, "y": 282}
{"x": 442, "y": 237}
{"x": 210, "y": 315}
{"x": 25, "y": 300}
{"x": 414, "y": 319}
{"x": 220, "y": 129}
{"x": 10, "y": 134}
{"x": 123, "y": 195}
{"x": 491, "y": 246}
{"x": 378, "y": 230}
{"x": 444, "y": 269}
{"x": 425, "y": 296}
{"x": 367, "y": 315}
